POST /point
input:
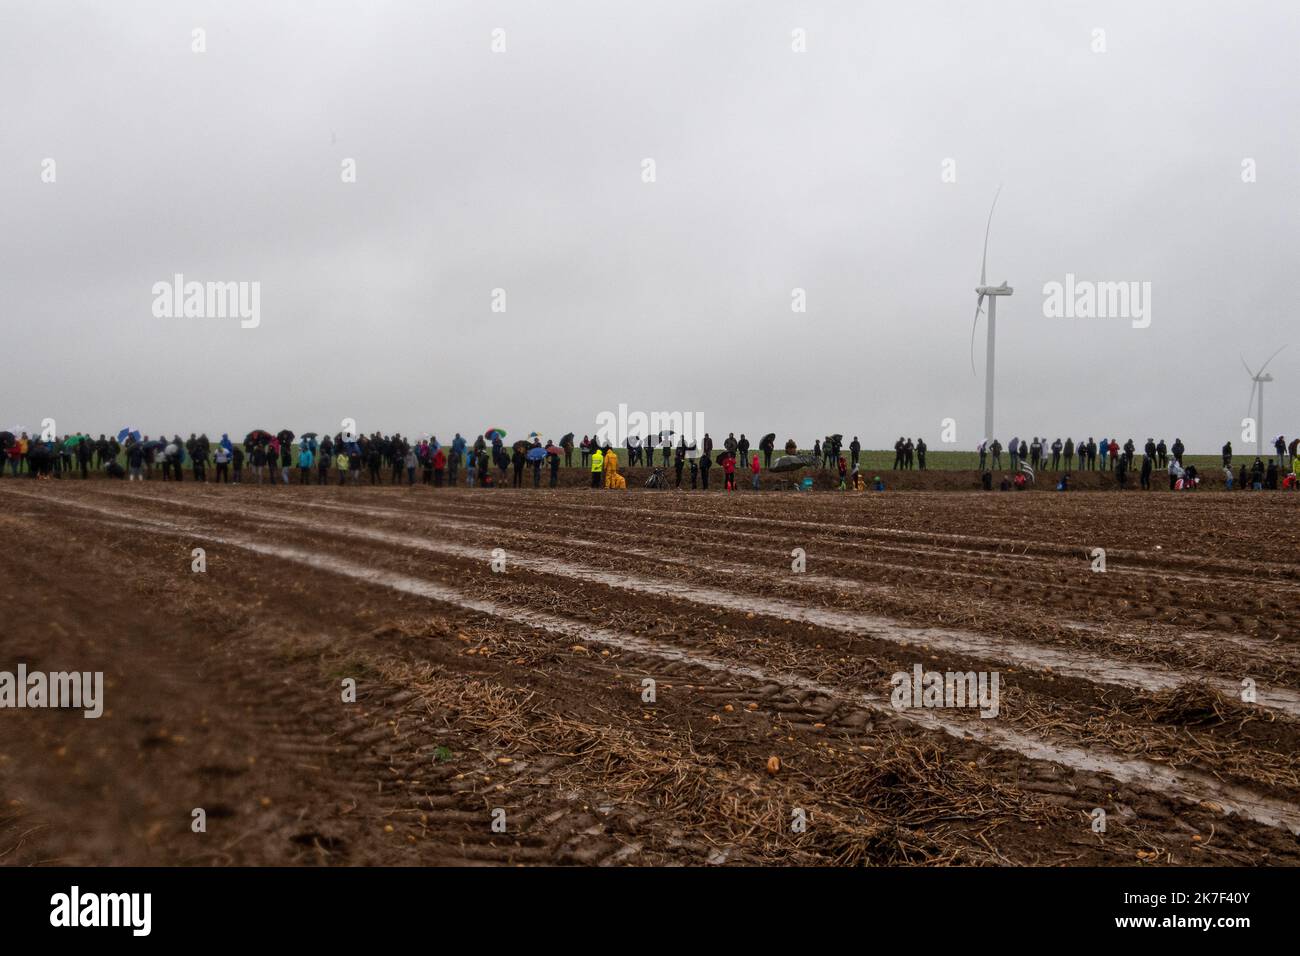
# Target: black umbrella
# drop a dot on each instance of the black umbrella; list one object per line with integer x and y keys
{"x": 768, "y": 442}
{"x": 835, "y": 439}
{"x": 794, "y": 462}
{"x": 567, "y": 440}
{"x": 285, "y": 436}
{"x": 7, "y": 438}
{"x": 308, "y": 434}
{"x": 256, "y": 435}
{"x": 522, "y": 446}
{"x": 723, "y": 456}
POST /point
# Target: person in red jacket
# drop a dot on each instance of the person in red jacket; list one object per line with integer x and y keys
{"x": 754, "y": 470}
{"x": 729, "y": 472}
{"x": 439, "y": 463}
{"x": 1114, "y": 453}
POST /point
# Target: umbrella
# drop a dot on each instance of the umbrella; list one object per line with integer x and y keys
{"x": 256, "y": 435}
{"x": 285, "y": 436}
{"x": 723, "y": 456}
{"x": 835, "y": 439}
{"x": 552, "y": 450}
{"x": 74, "y": 440}
{"x": 6, "y": 439}
{"x": 666, "y": 435}
{"x": 309, "y": 434}
{"x": 567, "y": 440}
{"x": 536, "y": 454}
{"x": 768, "y": 442}
{"x": 522, "y": 446}
{"x": 534, "y": 435}
{"x": 151, "y": 445}
{"x": 492, "y": 434}
{"x": 794, "y": 462}
{"x": 127, "y": 432}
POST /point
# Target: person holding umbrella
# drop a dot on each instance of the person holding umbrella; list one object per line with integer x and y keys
{"x": 536, "y": 455}
{"x": 259, "y": 462}
{"x": 535, "y": 462}
{"x": 766, "y": 446}
{"x": 553, "y": 458}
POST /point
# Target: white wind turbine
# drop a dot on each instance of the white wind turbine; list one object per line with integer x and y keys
{"x": 1258, "y": 379}
{"x": 992, "y": 291}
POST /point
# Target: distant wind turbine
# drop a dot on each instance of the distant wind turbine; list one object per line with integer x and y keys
{"x": 984, "y": 289}
{"x": 1258, "y": 379}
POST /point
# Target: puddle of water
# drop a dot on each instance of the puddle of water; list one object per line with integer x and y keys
{"x": 1069, "y": 662}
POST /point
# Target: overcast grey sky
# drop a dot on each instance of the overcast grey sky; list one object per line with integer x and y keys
{"x": 522, "y": 170}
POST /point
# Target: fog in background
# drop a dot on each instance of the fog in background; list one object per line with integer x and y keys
{"x": 522, "y": 171}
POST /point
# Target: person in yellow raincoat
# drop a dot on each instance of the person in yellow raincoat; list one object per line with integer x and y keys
{"x": 611, "y": 468}
{"x": 597, "y": 467}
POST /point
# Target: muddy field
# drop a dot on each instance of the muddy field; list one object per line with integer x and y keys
{"x": 516, "y": 695}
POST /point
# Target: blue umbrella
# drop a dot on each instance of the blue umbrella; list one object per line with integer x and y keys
{"x": 130, "y": 432}
{"x": 535, "y": 454}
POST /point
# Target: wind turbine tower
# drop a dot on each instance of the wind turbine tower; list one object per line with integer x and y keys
{"x": 992, "y": 292}
{"x": 1257, "y": 395}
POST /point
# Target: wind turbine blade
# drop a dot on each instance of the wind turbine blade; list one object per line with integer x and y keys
{"x": 984, "y": 261}
{"x": 979, "y": 307}
{"x": 1246, "y": 367}
{"x": 1270, "y": 358}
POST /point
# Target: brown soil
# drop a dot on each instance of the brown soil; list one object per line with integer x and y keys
{"x": 522, "y": 691}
